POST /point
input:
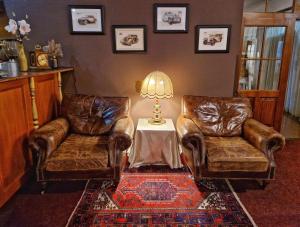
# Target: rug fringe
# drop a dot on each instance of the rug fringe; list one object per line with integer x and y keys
{"x": 240, "y": 202}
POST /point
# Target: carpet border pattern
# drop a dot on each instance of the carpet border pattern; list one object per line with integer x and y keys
{"x": 226, "y": 180}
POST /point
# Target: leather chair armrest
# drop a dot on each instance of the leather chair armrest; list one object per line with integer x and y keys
{"x": 122, "y": 133}
{"x": 120, "y": 139}
{"x": 191, "y": 137}
{"x": 263, "y": 137}
{"x": 47, "y": 138}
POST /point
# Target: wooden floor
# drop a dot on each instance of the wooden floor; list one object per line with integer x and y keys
{"x": 290, "y": 127}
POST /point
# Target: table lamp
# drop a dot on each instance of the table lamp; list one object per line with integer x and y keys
{"x": 157, "y": 85}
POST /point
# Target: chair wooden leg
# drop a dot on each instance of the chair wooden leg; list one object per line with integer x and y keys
{"x": 126, "y": 165}
{"x": 263, "y": 183}
{"x": 43, "y": 187}
{"x": 116, "y": 182}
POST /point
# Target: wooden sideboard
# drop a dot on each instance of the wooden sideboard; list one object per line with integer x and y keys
{"x": 26, "y": 102}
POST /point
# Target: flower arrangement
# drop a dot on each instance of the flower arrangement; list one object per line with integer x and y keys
{"x": 54, "y": 49}
{"x": 20, "y": 29}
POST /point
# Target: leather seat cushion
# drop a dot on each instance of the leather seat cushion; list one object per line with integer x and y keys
{"x": 79, "y": 153}
{"x": 234, "y": 154}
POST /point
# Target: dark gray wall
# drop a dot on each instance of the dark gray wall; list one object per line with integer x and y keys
{"x": 99, "y": 71}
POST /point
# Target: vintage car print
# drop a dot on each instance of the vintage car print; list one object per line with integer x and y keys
{"x": 171, "y": 18}
{"x": 212, "y": 39}
{"x": 89, "y": 19}
{"x": 129, "y": 40}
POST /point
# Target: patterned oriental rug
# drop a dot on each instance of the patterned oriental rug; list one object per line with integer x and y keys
{"x": 159, "y": 199}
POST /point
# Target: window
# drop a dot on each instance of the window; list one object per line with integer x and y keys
{"x": 259, "y": 6}
{"x": 261, "y": 58}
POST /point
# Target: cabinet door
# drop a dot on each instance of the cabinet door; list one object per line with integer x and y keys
{"x": 46, "y": 97}
{"x": 16, "y": 123}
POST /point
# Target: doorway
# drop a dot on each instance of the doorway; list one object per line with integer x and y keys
{"x": 291, "y": 119}
{"x": 263, "y": 65}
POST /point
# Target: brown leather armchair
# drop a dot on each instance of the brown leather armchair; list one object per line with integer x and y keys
{"x": 220, "y": 139}
{"x": 86, "y": 141}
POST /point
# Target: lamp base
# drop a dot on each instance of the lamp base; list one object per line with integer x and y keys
{"x": 157, "y": 119}
{"x": 153, "y": 121}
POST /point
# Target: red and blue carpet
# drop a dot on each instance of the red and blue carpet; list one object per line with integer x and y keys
{"x": 159, "y": 199}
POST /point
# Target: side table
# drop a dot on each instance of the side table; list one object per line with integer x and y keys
{"x": 155, "y": 145}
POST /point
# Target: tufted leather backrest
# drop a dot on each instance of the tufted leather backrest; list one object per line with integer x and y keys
{"x": 93, "y": 115}
{"x": 217, "y": 116}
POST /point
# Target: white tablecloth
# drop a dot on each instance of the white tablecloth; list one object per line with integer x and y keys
{"x": 155, "y": 145}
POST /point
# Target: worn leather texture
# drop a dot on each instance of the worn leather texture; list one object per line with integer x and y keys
{"x": 188, "y": 158}
{"x": 187, "y": 130}
{"x": 50, "y": 135}
{"x": 93, "y": 115}
{"x": 122, "y": 133}
{"x": 191, "y": 137}
{"x": 62, "y": 152}
{"x": 217, "y": 116}
{"x": 79, "y": 153}
{"x": 244, "y": 149}
{"x": 234, "y": 154}
{"x": 263, "y": 137}
{"x": 121, "y": 137}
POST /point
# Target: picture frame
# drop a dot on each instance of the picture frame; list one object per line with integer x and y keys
{"x": 212, "y": 38}
{"x": 86, "y": 19}
{"x": 171, "y": 18}
{"x": 129, "y": 38}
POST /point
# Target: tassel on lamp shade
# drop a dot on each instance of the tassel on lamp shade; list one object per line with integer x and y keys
{"x": 157, "y": 85}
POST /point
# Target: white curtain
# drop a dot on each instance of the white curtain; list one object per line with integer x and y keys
{"x": 253, "y": 35}
{"x": 292, "y": 101}
{"x": 273, "y": 46}
{"x": 270, "y": 70}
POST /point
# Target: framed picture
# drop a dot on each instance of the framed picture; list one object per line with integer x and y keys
{"x": 129, "y": 38}
{"x": 86, "y": 19}
{"x": 171, "y": 18}
{"x": 212, "y": 39}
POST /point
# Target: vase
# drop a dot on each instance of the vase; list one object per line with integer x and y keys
{"x": 54, "y": 62}
{"x": 23, "y": 62}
